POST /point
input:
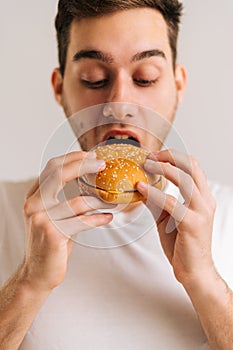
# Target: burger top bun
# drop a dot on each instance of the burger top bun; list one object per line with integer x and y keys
{"x": 124, "y": 168}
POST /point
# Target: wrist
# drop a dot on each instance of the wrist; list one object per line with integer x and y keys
{"x": 32, "y": 295}
{"x": 18, "y": 291}
{"x": 31, "y": 284}
{"x": 207, "y": 284}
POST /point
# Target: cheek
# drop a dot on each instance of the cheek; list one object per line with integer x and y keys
{"x": 164, "y": 99}
{"x": 76, "y": 98}
{"x": 88, "y": 140}
{"x": 86, "y": 98}
{"x": 83, "y": 142}
{"x": 93, "y": 97}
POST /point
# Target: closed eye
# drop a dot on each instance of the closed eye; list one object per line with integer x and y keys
{"x": 103, "y": 83}
{"x": 95, "y": 84}
{"x": 145, "y": 82}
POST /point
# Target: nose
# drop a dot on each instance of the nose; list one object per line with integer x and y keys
{"x": 119, "y": 104}
{"x": 119, "y": 111}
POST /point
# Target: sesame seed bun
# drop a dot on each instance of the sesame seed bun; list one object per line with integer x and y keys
{"x": 124, "y": 168}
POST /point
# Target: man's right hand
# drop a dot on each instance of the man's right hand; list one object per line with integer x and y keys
{"x": 47, "y": 249}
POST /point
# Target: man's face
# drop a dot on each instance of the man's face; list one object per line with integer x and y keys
{"x": 121, "y": 57}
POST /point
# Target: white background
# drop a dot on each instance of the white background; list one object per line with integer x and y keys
{"x": 29, "y": 115}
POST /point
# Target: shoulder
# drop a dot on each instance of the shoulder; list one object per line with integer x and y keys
{"x": 223, "y": 195}
{"x": 223, "y": 230}
{"x": 221, "y": 191}
{"x": 12, "y": 197}
{"x": 12, "y": 194}
{"x": 12, "y": 236}
{"x": 11, "y": 189}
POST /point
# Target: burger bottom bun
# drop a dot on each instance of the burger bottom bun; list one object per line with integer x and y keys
{"x": 116, "y": 197}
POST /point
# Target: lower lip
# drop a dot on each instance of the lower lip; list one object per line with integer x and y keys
{"x": 122, "y": 141}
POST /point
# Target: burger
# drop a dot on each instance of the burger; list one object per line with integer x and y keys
{"x": 124, "y": 169}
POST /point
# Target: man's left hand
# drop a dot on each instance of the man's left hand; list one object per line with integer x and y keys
{"x": 185, "y": 229}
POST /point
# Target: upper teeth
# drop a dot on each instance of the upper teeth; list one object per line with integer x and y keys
{"x": 120, "y": 136}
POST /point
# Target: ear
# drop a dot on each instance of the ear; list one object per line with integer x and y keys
{"x": 57, "y": 83}
{"x": 180, "y": 80}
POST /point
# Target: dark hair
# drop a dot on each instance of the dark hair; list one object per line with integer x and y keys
{"x": 68, "y": 10}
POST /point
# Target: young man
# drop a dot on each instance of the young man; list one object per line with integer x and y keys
{"x": 162, "y": 291}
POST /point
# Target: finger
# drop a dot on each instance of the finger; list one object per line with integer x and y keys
{"x": 59, "y": 162}
{"x": 157, "y": 198}
{"x": 73, "y": 226}
{"x": 33, "y": 188}
{"x": 186, "y": 163}
{"x": 62, "y": 175}
{"x": 72, "y": 156}
{"x": 77, "y": 206}
{"x": 186, "y": 185}
{"x": 45, "y": 196}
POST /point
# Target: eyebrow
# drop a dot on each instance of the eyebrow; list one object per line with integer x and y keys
{"x": 147, "y": 54}
{"x": 93, "y": 54}
{"x": 106, "y": 58}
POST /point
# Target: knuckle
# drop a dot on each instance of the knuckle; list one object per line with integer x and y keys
{"x": 187, "y": 182}
{"x": 172, "y": 152}
{"x": 52, "y": 163}
{"x": 75, "y": 155}
{"x": 37, "y": 220}
{"x": 57, "y": 173}
{"x": 194, "y": 161}
{"x": 27, "y": 208}
{"x": 99, "y": 220}
{"x": 212, "y": 204}
{"x": 167, "y": 167}
{"x": 171, "y": 201}
{"x": 79, "y": 154}
{"x": 87, "y": 220}
{"x": 92, "y": 221}
{"x": 40, "y": 221}
{"x": 76, "y": 203}
{"x": 28, "y": 193}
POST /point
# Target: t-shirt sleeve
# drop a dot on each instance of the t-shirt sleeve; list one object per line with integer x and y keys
{"x": 12, "y": 230}
{"x": 222, "y": 245}
{"x": 2, "y": 215}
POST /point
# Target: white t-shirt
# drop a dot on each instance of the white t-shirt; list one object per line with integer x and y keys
{"x": 120, "y": 298}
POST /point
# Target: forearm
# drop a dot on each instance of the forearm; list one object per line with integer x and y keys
{"x": 213, "y": 302}
{"x": 19, "y": 304}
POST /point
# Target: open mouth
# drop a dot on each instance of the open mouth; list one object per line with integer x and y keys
{"x": 120, "y": 138}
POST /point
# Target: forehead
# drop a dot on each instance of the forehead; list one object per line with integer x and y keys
{"x": 121, "y": 33}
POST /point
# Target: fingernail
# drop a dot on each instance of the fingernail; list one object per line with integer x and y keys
{"x": 108, "y": 215}
{"x": 91, "y": 155}
{"x": 142, "y": 184}
{"x": 147, "y": 161}
{"x": 155, "y": 154}
{"x": 100, "y": 164}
